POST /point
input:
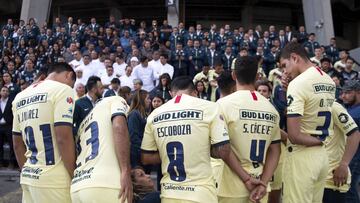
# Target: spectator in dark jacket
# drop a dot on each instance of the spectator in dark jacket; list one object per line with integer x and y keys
{"x": 163, "y": 88}
{"x": 136, "y": 124}
{"x": 84, "y": 105}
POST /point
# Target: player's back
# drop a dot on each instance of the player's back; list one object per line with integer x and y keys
{"x": 311, "y": 95}
{"x": 97, "y": 164}
{"x": 37, "y": 110}
{"x": 344, "y": 125}
{"x": 253, "y": 124}
{"x": 182, "y": 132}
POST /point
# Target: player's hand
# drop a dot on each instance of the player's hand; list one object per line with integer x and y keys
{"x": 252, "y": 183}
{"x": 258, "y": 193}
{"x": 340, "y": 175}
{"x": 285, "y": 80}
{"x": 126, "y": 192}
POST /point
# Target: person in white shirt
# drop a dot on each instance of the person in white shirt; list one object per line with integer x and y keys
{"x": 134, "y": 61}
{"x": 98, "y": 64}
{"x": 119, "y": 66}
{"x": 106, "y": 78}
{"x": 164, "y": 68}
{"x": 145, "y": 73}
{"x": 87, "y": 68}
{"x": 127, "y": 79}
{"x": 318, "y": 56}
{"x": 80, "y": 76}
{"x": 77, "y": 60}
{"x": 155, "y": 62}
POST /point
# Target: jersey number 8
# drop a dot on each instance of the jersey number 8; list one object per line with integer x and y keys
{"x": 176, "y": 168}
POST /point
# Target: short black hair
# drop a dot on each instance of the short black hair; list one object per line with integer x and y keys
{"x": 115, "y": 81}
{"x": 92, "y": 82}
{"x": 182, "y": 83}
{"x": 143, "y": 59}
{"x": 60, "y": 67}
{"x": 166, "y": 56}
{"x": 225, "y": 82}
{"x": 294, "y": 47}
{"x": 246, "y": 68}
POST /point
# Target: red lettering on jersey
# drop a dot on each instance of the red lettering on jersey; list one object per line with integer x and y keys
{"x": 177, "y": 99}
{"x": 254, "y": 96}
{"x": 317, "y": 68}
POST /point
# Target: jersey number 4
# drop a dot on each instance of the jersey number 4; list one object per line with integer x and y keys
{"x": 176, "y": 168}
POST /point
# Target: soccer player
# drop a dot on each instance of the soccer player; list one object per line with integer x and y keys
{"x": 310, "y": 95}
{"x": 103, "y": 169}
{"x": 226, "y": 86}
{"x": 254, "y": 132}
{"x": 43, "y": 139}
{"x": 341, "y": 147}
{"x": 179, "y": 134}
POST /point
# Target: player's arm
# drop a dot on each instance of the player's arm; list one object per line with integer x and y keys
{"x": 352, "y": 144}
{"x": 296, "y": 137}
{"x": 65, "y": 142}
{"x": 284, "y": 136}
{"x": 149, "y": 150}
{"x": 122, "y": 150}
{"x": 19, "y": 149}
{"x": 223, "y": 151}
{"x": 150, "y": 157}
{"x": 271, "y": 161}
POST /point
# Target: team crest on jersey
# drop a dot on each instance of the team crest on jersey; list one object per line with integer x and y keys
{"x": 343, "y": 118}
{"x": 290, "y": 99}
{"x": 69, "y": 100}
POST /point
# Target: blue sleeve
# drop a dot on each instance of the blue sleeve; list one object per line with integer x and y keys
{"x": 136, "y": 132}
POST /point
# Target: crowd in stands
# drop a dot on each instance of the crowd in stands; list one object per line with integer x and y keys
{"x": 138, "y": 62}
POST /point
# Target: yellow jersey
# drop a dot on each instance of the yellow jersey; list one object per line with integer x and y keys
{"x": 311, "y": 95}
{"x": 344, "y": 125}
{"x": 96, "y": 163}
{"x": 37, "y": 110}
{"x": 182, "y": 131}
{"x": 253, "y": 125}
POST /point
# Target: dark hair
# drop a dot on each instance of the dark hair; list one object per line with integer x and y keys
{"x": 138, "y": 102}
{"x": 263, "y": 83}
{"x": 61, "y": 67}
{"x": 115, "y": 81}
{"x": 225, "y": 83}
{"x": 168, "y": 80}
{"x": 296, "y": 48}
{"x": 164, "y": 55}
{"x": 143, "y": 59}
{"x": 246, "y": 68}
{"x": 92, "y": 82}
{"x": 196, "y": 84}
{"x": 182, "y": 83}
{"x": 124, "y": 90}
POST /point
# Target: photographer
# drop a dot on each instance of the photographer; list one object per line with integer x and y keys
{"x": 178, "y": 60}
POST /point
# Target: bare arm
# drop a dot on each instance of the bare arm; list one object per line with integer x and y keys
{"x": 150, "y": 158}
{"x": 271, "y": 162}
{"x": 284, "y": 136}
{"x": 19, "y": 149}
{"x": 296, "y": 137}
{"x": 227, "y": 155}
{"x": 122, "y": 150}
{"x": 341, "y": 172}
{"x": 65, "y": 141}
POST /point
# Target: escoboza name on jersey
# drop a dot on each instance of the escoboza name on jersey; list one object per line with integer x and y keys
{"x": 175, "y": 130}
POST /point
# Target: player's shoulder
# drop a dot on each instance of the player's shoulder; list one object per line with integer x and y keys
{"x": 337, "y": 109}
